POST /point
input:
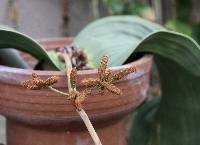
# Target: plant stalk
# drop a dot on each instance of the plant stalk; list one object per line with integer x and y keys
{"x": 89, "y": 126}
{"x": 57, "y": 91}
{"x": 80, "y": 111}
{"x": 68, "y": 66}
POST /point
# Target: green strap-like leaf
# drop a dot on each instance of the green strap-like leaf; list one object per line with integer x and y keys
{"x": 178, "y": 59}
{"x": 174, "y": 46}
{"x": 121, "y": 32}
{"x": 13, "y": 39}
{"x": 143, "y": 126}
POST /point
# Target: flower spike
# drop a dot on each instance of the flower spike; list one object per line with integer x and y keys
{"x": 73, "y": 78}
{"x": 106, "y": 77}
{"x": 36, "y": 83}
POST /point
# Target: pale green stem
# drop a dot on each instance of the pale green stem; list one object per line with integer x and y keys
{"x": 80, "y": 111}
{"x": 57, "y": 91}
{"x": 89, "y": 126}
{"x": 68, "y": 66}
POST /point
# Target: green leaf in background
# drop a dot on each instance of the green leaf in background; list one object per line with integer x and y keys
{"x": 178, "y": 60}
{"x": 114, "y": 6}
{"x": 179, "y": 26}
{"x": 125, "y": 7}
{"x": 55, "y": 56}
{"x": 13, "y": 39}
{"x": 196, "y": 32}
{"x": 144, "y": 126}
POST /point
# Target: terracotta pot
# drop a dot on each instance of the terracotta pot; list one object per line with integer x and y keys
{"x": 46, "y": 118}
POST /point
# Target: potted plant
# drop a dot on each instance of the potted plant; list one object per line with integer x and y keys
{"x": 44, "y": 117}
{"x": 47, "y": 117}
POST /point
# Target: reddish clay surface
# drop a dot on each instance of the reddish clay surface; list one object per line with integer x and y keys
{"x": 46, "y": 118}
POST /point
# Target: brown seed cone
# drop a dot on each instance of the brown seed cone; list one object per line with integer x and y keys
{"x": 107, "y": 75}
{"x": 119, "y": 75}
{"x": 33, "y": 84}
{"x": 111, "y": 88}
{"x": 90, "y": 82}
{"x": 51, "y": 80}
{"x": 73, "y": 77}
{"x": 103, "y": 66}
{"x": 34, "y": 75}
{"x": 36, "y": 83}
{"x": 86, "y": 92}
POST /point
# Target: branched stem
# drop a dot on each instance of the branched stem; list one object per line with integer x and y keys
{"x": 68, "y": 66}
{"x": 57, "y": 91}
{"x": 80, "y": 111}
{"x": 104, "y": 81}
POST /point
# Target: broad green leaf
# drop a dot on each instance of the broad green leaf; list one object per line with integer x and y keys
{"x": 178, "y": 60}
{"x": 121, "y": 32}
{"x": 174, "y": 46}
{"x": 16, "y": 60}
{"x": 13, "y": 39}
{"x": 55, "y": 56}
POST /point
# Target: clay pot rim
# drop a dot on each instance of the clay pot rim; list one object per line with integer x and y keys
{"x": 16, "y": 71}
{"x": 52, "y": 43}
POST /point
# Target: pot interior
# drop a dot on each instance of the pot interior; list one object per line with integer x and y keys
{"x": 53, "y": 43}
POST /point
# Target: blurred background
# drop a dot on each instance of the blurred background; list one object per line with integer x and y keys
{"x": 54, "y": 18}
{"x": 57, "y": 18}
